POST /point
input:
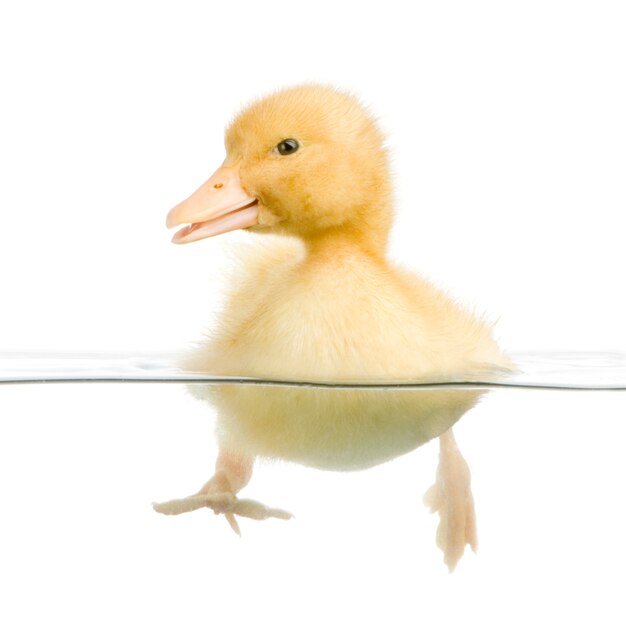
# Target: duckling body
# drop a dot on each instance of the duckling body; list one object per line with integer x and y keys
{"x": 324, "y": 304}
{"x": 339, "y": 314}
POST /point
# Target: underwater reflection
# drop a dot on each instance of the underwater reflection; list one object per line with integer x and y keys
{"x": 340, "y": 429}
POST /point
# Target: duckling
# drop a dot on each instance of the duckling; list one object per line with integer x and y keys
{"x": 321, "y": 302}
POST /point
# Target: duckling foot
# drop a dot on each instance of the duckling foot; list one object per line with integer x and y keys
{"x": 232, "y": 473}
{"x": 451, "y": 497}
{"x": 225, "y": 503}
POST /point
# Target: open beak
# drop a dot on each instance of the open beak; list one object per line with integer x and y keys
{"x": 218, "y": 206}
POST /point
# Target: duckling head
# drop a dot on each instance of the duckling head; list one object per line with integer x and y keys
{"x": 307, "y": 161}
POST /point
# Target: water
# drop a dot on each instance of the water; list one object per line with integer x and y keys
{"x": 81, "y": 464}
{"x": 549, "y": 370}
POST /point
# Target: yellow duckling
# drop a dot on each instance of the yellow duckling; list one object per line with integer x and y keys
{"x": 324, "y": 304}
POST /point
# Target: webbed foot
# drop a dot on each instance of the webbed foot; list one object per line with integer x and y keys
{"x": 221, "y": 503}
{"x": 451, "y": 497}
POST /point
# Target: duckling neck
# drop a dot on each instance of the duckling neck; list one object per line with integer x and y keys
{"x": 336, "y": 242}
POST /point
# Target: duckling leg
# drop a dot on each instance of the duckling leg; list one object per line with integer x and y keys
{"x": 232, "y": 473}
{"x": 451, "y": 497}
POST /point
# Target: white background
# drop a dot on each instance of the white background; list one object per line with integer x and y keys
{"x": 506, "y": 122}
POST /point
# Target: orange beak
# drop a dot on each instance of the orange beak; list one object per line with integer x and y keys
{"x": 218, "y": 206}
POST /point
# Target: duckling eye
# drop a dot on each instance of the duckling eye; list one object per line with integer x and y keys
{"x": 288, "y": 146}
